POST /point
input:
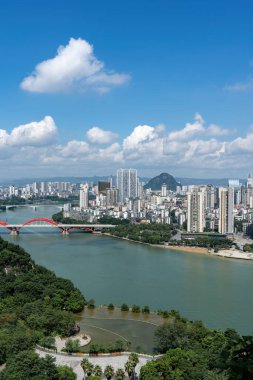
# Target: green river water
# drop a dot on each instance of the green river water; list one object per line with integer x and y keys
{"x": 216, "y": 290}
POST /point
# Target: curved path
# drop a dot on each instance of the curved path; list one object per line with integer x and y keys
{"x": 103, "y": 361}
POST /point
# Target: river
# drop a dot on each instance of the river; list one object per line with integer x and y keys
{"x": 216, "y": 290}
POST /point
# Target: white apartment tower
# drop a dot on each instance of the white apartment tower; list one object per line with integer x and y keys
{"x": 127, "y": 183}
{"x": 164, "y": 190}
{"x": 84, "y": 196}
{"x": 226, "y": 208}
{"x": 196, "y": 209}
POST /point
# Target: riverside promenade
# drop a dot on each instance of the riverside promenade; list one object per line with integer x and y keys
{"x": 74, "y": 360}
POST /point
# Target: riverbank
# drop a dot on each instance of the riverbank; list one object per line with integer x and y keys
{"x": 225, "y": 253}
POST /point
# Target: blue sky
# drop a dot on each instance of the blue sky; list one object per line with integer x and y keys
{"x": 160, "y": 86}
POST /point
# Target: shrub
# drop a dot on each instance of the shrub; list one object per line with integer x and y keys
{"x": 124, "y": 307}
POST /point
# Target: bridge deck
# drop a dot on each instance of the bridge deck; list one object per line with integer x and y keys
{"x": 60, "y": 225}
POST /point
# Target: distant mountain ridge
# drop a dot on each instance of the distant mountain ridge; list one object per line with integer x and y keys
{"x": 163, "y": 178}
{"x": 95, "y": 179}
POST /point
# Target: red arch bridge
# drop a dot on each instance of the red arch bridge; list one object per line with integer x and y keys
{"x": 48, "y": 223}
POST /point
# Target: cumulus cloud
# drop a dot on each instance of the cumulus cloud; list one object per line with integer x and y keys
{"x": 100, "y": 136}
{"x": 197, "y": 128}
{"x": 190, "y": 129}
{"x": 194, "y": 148}
{"x": 36, "y": 133}
{"x": 216, "y": 130}
{"x": 74, "y": 66}
{"x": 141, "y": 134}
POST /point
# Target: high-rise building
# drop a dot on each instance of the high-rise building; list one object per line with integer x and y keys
{"x": 196, "y": 209}
{"x": 102, "y": 186}
{"x": 84, "y": 196}
{"x": 112, "y": 195}
{"x": 249, "y": 180}
{"x": 127, "y": 183}
{"x": 226, "y": 210}
{"x": 210, "y": 197}
{"x": 11, "y": 191}
{"x": 164, "y": 190}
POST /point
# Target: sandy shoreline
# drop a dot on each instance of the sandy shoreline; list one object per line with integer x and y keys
{"x": 225, "y": 253}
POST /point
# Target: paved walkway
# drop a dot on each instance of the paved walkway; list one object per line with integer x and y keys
{"x": 60, "y": 342}
{"x": 103, "y": 361}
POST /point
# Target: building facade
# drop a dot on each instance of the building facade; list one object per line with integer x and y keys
{"x": 226, "y": 210}
{"x": 127, "y": 184}
{"x": 196, "y": 209}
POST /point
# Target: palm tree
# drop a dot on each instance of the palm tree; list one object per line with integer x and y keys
{"x": 109, "y": 372}
{"x": 97, "y": 371}
{"x": 85, "y": 364}
{"x": 129, "y": 367}
{"x": 90, "y": 369}
{"x": 120, "y": 374}
{"x": 134, "y": 358}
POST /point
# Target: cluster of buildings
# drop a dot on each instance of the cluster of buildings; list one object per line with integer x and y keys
{"x": 197, "y": 208}
{"x": 217, "y": 208}
{"x": 39, "y": 189}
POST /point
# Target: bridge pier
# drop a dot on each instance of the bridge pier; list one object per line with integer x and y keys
{"x": 14, "y": 232}
{"x": 65, "y": 232}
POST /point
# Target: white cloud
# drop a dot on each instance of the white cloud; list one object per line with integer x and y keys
{"x": 216, "y": 130}
{"x": 34, "y": 134}
{"x": 193, "y": 149}
{"x": 74, "y": 65}
{"x": 197, "y": 128}
{"x": 100, "y": 136}
{"x": 39, "y": 133}
{"x": 141, "y": 134}
{"x": 189, "y": 130}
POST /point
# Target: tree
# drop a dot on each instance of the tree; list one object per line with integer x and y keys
{"x": 72, "y": 345}
{"x": 136, "y": 309}
{"x": 97, "y": 371}
{"x": 48, "y": 342}
{"x": 124, "y": 307}
{"x": 120, "y": 374}
{"x": 109, "y": 372}
{"x": 145, "y": 310}
{"x": 90, "y": 367}
{"x": 110, "y": 306}
{"x": 85, "y": 364}
{"x": 134, "y": 358}
{"x": 28, "y": 365}
{"x": 129, "y": 368}
{"x": 65, "y": 373}
{"x": 176, "y": 364}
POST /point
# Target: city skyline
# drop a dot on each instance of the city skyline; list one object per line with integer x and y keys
{"x": 107, "y": 90}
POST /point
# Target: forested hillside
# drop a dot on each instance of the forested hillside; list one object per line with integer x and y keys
{"x": 34, "y": 302}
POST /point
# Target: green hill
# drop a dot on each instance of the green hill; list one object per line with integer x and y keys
{"x": 164, "y": 178}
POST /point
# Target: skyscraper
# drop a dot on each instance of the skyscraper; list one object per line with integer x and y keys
{"x": 84, "y": 196}
{"x": 111, "y": 197}
{"x": 164, "y": 190}
{"x": 127, "y": 183}
{"x": 196, "y": 209}
{"x": 226, "y": 208}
